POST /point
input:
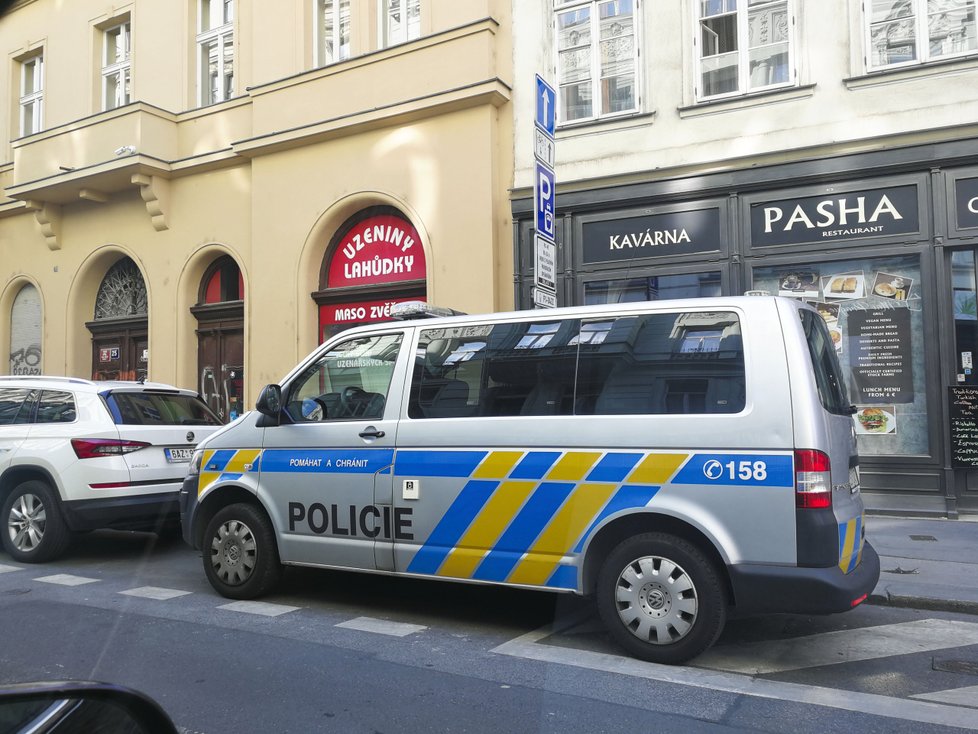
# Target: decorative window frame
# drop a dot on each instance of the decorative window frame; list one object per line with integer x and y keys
{"x": 922, "y": 50}
{"x": 597, "y": 114}
{"x": 744, "y": 88}
{"x": 207, "y": 35}
{"x": 119, "y": 70}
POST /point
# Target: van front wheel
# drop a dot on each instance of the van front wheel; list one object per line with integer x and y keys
{"x": 661, "y": 598}
{"x": 240, "y": 554}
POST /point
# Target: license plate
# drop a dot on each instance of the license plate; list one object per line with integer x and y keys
{"x": 178, "y": 455}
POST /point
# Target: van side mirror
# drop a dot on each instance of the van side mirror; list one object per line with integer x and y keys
{"x": 270, "y": 402}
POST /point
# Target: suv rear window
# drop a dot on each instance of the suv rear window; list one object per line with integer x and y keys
{"x": 825, "y": 364}
{"x": 159, "y": 409}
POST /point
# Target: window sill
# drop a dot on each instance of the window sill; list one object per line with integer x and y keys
{"x": 747, "y": 101}
{"x": 883, "y": 77}
{"x": 604, "y": 125}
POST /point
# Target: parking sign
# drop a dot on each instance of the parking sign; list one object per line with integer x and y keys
{"x": 544, "y": 186}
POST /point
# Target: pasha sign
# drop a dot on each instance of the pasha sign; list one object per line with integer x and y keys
{"x": 380, "y": 249}
{"x": 843, "y": 216}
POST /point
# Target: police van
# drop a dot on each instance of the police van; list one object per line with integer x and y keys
{"x": 678, "y": 460}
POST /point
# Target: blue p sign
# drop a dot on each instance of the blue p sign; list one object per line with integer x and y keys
{"x": 544, "y": 186}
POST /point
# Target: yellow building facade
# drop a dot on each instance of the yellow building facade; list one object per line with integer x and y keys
{"x": 200, "y": 191}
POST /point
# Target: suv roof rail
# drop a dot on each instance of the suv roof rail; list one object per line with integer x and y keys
{"x": 47, "y": 378}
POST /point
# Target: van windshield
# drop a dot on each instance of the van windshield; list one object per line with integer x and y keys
{"x": 825, "y": 364}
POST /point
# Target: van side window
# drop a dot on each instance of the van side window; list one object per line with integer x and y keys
{"x": 350, "y": 382}
{"x": 685, "y": 363}
{"x": 495, "y": 370}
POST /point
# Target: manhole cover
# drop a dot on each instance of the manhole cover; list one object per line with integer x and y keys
{"x": 12, "y": 592}
{"x": 956, "y": 666}
{"x": 923, "y": 537}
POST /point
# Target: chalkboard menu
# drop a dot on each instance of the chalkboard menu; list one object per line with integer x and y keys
{"x": 880, "y": 351}
{"x": 964, "y": 426}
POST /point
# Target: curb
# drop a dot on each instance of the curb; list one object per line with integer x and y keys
{"x": 887, "y": 599}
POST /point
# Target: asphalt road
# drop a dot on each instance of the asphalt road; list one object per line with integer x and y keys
{"x": 357, "y": 653}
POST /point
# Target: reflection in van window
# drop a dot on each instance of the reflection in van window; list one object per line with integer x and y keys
{"x": 683, "y": 363}
{"x": 825, "y": 364}
{"x": 499, "y": 370}
{"x": 350, "y": 381}
{"x": 662, "y": 364}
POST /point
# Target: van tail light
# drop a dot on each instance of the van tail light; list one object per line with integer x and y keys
{"x": 93, "y": 448}
{"x": 813, "y": 480}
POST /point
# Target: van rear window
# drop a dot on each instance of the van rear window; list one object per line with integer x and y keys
{"x": 675, "y": 363}
{"x": 825, "y": 364}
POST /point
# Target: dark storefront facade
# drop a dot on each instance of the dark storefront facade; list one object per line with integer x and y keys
{"x": 884, "y": 245}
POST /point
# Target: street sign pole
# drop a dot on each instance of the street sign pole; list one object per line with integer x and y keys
{"x": 544, "y": 197}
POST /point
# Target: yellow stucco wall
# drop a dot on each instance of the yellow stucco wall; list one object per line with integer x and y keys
{"x": 266, "y": 177}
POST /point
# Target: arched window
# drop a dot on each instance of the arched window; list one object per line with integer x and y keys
{"x": 120, "y": 343}
{"x": 25, "y": 332}
{"x": 375, "y": 260}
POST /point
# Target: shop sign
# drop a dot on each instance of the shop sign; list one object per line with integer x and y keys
{"x": 834, "y": 217}
{"x": 656, "y": 235}
{"x": 361, "y": 312}
{"x": 879, "y": 346}
{"x": 377, "y": 250}
{"x": 108, "y": 354}
{"x": 966, "y": 197}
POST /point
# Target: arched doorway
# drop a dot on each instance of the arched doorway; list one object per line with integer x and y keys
{"x": 120, "y": 343}
{"x": 220, "y": 338}
{"x": 25, "y": 332}
{"x": 375, "y": 260}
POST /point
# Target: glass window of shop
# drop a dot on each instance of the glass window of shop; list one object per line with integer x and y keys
{"x": 874, "y": 308}
{"x": 652, "y": 288}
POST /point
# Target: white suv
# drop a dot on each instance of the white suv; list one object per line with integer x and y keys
{"x": 77, "y": 455}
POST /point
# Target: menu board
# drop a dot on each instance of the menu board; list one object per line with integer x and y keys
{"x": 879, "y": 356}
{"x": 963, "y": 402}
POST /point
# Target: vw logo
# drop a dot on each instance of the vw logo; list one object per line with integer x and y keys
{"x": 190, "y": 436}
{"x": 713, "y": 469}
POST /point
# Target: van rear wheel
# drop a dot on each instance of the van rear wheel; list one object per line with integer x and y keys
{"x": 240, "y": 553}
{"x": 661, "y": 598}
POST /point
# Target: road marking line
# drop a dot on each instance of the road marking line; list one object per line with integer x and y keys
{"x": 155, "y": 592}
{"x": 846, "y": 646}
{"x": 259, "y": 607}
{"x": 955, "y": 696}
{"x": 66, "y": 579}
{"x": 8, "y": 569}
{"x": 382, "y": 626}
{"x": 926, "y": 712}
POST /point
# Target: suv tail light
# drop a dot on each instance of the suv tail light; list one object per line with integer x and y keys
{"x": 93, "y": 448}
{"x": 813, "y": 480}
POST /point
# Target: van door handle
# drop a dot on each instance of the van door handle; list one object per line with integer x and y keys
{"x": 371, "y": 433}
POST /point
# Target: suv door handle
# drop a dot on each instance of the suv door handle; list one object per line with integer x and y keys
{"x": 371, "y": 433}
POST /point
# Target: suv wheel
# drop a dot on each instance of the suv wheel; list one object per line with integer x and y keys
{"x": 240, "y": 553}
{"x": 33, "y": 528}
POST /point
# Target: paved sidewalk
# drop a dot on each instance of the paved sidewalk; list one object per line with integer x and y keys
{"x": 925, "y": 564}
